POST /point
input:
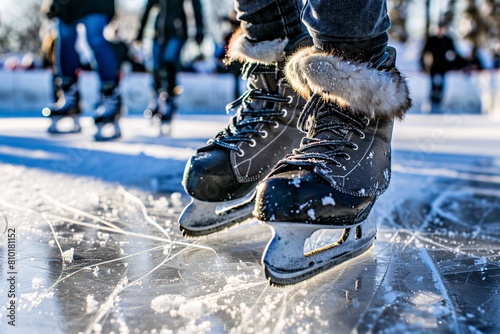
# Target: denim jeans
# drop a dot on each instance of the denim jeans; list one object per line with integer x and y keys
{"x": 269, "y": 19}
{"x": 166, "y": 52}
{"x": 166, "y": 61}
{"x": 68, "y": 58}
{"x": 335, "y": 25}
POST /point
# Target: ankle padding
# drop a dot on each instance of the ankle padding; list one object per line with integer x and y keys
{"x": 266, "y": 52}
{"x": 366, "y": 91}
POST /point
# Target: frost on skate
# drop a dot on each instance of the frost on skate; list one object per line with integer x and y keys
{"x": 299, "y": 251}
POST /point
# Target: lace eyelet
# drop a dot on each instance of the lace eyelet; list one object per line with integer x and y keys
{"x": 367, "y": 121}
{"x": 240, "y": 153}
{"x": 362, "y": 136}
{"x": 290, "y": 99}
{"x": 252, "y": 143}
{"x": 355, "y": 148}
{"x": 276, "y": 124}
{"x": 347, "y": 157}
{"x": 285, "y": 112}
{"x": 263, "y": 133}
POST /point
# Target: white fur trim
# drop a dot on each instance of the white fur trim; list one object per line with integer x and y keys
{"x": 364, "y": 90}
{"x": 266, "y": 52}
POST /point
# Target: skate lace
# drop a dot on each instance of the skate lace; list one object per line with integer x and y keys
{"x": 319, "y": 116}
{"x": 243, "y": 125}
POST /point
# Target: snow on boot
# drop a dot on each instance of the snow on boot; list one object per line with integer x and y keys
{"x": 342, "y": 165}
{"x": 107, "y": 116}
{"x": 67, "y": 106}
{"x": 221, "y": 177}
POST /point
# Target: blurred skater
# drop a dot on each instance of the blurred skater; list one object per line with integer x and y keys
{"x": 171, "y": 32}
{"x": 439, "y": 56}
{"x": 94, "y": 15}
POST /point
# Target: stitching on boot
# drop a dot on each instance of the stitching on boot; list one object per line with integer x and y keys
{"x": 364, "y": 90}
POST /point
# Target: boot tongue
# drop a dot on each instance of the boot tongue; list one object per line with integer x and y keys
{"x": 263, "y": 77}
{"x": 260, "y": 77}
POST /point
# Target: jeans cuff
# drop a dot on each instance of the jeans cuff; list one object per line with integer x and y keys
{"x": 360, "y": 50}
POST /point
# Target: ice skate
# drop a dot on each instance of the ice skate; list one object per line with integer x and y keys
{"x": 107, "y": 118}
{"x": 160, "y": 111}
{"x": 156, "y": 103}
{"x": 164, "y": 119}
{"x": 221, "y": 177}
{"x": 341, "y": 166}
{"x": 68, "y": 106}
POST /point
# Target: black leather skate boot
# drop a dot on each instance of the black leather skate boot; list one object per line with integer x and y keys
{"x": 109, "y": 112}
{"x": 68, "y": 105}
{"x": 344, "y": 162}
{"x": 317, "y": 199}
{"x": 160, "y": 105}
{"x": 263, "y": 131}
{"x": 110, "y": 108}
{"x": 153, "y": 107}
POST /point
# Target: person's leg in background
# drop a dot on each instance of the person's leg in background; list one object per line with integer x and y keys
{"x": 66, "y": 71}
{"x": 67, "y": 56}
{"x": 437, "y": 88}
{"x": 153, "y": 107}
{"x": 343, "y": 165}
{"x": 107, "y": 68}
{"x": 166, "y": 57}
{"x": 168, "y": 68}
{"x": 264, "y": 128}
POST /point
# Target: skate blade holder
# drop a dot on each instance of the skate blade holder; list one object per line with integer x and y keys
{"x": 299, "y": 251}
{"x": 202, "y": 218}
{"x": 107, "y": 131}
{"x": 64, "y": 124}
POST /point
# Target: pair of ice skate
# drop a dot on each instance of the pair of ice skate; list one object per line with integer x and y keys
{"x": 106, "y": 116}
{"x": 309, "y": 149}
{"x": 160, "y": 110}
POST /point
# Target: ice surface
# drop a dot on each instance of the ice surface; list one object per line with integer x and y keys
{"x": 100, "y": 252}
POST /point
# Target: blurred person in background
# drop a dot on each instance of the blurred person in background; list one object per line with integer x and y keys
{"x": 439, "y": 56}
{"x": 171, "y": 32}
{"x": 94, "y": 15}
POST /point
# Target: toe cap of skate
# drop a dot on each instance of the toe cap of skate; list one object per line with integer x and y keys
{"x": 304, "y": 197}
{"x": 209, "y": 177}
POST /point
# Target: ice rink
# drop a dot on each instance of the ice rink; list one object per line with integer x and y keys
{"x": 97, "y": 247}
